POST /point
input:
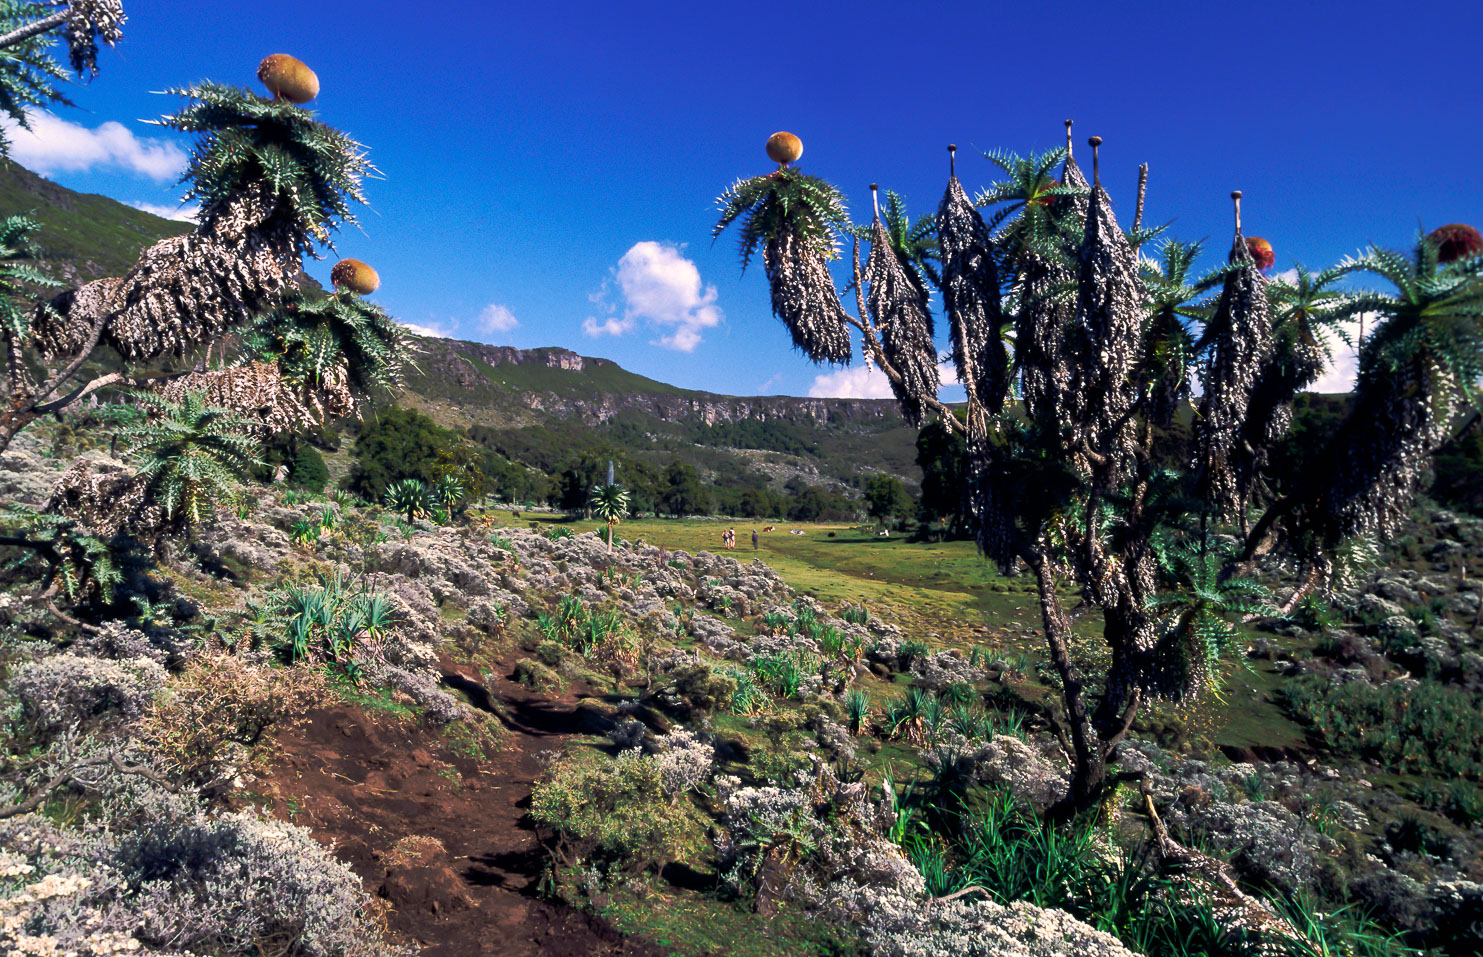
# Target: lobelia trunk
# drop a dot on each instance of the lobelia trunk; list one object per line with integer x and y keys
{"x": 1090, "y": 765}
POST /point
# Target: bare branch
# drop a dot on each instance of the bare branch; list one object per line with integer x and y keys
{"x": 21, "y": 34}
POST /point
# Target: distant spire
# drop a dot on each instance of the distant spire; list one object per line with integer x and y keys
{"x": 1236, "y": 197}
{"x": 1095, "y": 142}
{"x": 875, "y": 199}
{"x": 952, "y": 156}
{"x": 1068, "y": 137}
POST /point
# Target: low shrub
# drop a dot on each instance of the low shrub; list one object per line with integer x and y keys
{"x": 183, "y": 882}
{"x": 611, "y": 813}
{"x": 536, "y": 676}
{"x": 67, "y": 689}
{"x": 214, "y": 718}
{"x": 704, "y": 688}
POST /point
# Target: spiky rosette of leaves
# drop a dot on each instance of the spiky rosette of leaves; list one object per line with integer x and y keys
{"x": 182, "y": 292}
{"x": 796, "y": 221}
{"x": 267, "y": 169}
{"x": 1237, "y": 342}
{"x": 609, "y": 502}
{"x": 1165, "y": 367}
{"x": 1036, "y": 241}
{"x": 1103, "y": 344}
{"x": 1197, "y": 615}
{"x": 971, "y": 297}
{"x": 18, "y": 275}
{"x": 30, "y": 74}
{"x": 334, "y": 350}
{"x": 71, "y": 559}
{"x": 190, "y": 454}
{"x": 1417, "y": 369}
{"x": 410, "y": 497}
{"x": 900, "y": 312}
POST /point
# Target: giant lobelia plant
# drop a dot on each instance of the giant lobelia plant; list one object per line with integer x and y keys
{"x": 1078, "y": 355}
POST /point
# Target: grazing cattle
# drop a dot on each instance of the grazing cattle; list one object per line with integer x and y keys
{"x": 795, "y": 531}
{"x": 770, "y": 528}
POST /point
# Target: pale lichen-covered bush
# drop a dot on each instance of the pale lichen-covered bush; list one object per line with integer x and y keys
{"x": 943, "y": 669}
{"x": 119, "y": 641}
{"x": 230, "y": 885}
{"x": 797, "y": 843}
{"x": 893, "y": 924}
{"x": 685, "y": 761}
{"x": 68, "y": 689}
{"x": 1267, "y": 843}
{"x": 1003, "y": 761}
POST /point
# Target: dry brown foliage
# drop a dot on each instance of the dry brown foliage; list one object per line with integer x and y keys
{"x": 215, "y": 719}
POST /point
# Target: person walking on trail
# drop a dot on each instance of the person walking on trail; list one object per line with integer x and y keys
{"x": 754, "y": 539}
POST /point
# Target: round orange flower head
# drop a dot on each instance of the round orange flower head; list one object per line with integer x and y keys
{"x": 1456, "y": 241}
{"x": 784, "y": 148}
{"x": 356, "y": 276}
{"x": 1261, "y": 251}
{"x": 288, "y": 78}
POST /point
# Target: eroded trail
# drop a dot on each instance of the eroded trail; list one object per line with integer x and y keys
{"x": 442, "y": 837}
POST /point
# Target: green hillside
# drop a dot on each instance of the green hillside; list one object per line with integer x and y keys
{"x": 83, "y": 236}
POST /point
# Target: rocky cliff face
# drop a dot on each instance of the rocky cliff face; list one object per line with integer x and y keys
{"x": 560, "y": 383}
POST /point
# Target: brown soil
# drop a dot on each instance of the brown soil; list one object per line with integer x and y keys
{"x": 363, "y": 783}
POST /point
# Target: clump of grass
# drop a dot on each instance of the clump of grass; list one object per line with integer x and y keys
{"x": 909, "y": 652}
{"x": 855, "y": 614}
{"x": 601, "y": 635}
{"x": 857, "y": 710}
{"x": 783, "y": 673}
{"x": 749, "y": 696}
{"x": 1428, "y": 727}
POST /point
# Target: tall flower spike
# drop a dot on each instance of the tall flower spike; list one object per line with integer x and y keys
{"x": 1071, "y": 175}
{"x": 906, "y": 327}
{"x": 970, "y": 293}
{"x": 1106, "y": 331}
{"x": 1237, "y": 340}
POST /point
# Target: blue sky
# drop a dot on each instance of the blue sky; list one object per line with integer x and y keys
{"x": 550, "y": 169}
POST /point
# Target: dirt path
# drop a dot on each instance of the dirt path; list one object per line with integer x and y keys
{"x": 364, "y": 783}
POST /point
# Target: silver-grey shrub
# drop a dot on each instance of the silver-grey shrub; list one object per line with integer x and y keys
{"x": 68, "y": 689}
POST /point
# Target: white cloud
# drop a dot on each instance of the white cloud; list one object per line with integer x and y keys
{"x": 497, "y": 318}
{"x": 663, "y": 288}
{"x": 772, "y": 380}
{"x": 57, "y": 145}
{"x": 184, "y": 214}
{"x": 431, "y": 332}
{"x": 611, "y": 326}
{"x": 1341, "y": 372}
{"x": 862, "y": 383}
{"x": 853, "y": 383}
